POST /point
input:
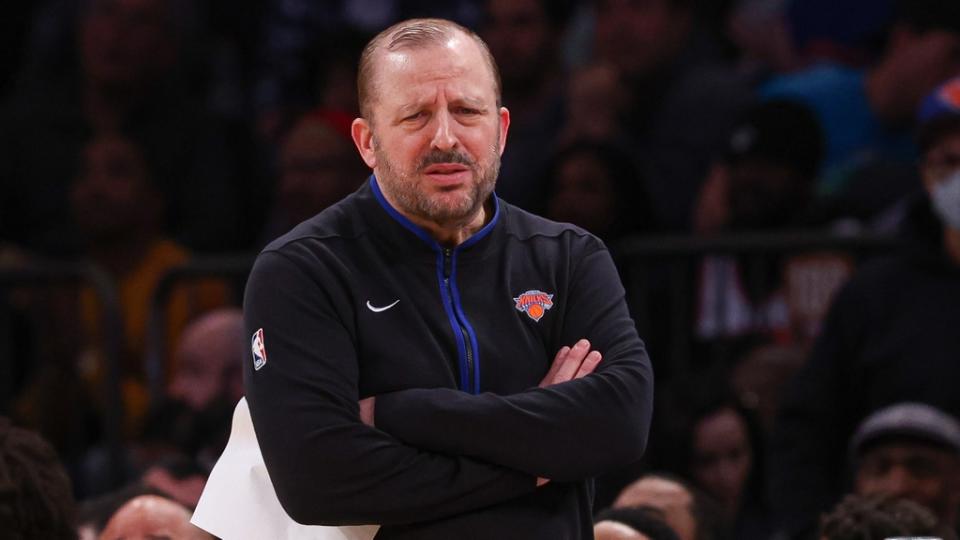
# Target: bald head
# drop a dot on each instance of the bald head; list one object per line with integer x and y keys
{"x": 208, "y": 358}
{"x": 672, "y": 498}
{"x": 407, "y": 35}
{"x": 150, "y": 517}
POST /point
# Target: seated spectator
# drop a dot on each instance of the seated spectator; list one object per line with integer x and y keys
{"x": 866, "y": 518}
{"x": 597, "y": 186}
{"x": 150, "y": 516}
{"x": 888, "y": 336}
{"x": 910, "y": 451}
{"x": 187, "y": 430}
{"x": 764, "y": 182}
{"x": 318, "y": 166}
{"x": 868, "y": 114}
{"x": 119, "y": 212}
{"x": 632, "y": 524}
{"x": 94, "y": 513}
{"x": 704, "y": 434}
{"x": 689, "y": 514}
{"x": 36, "y": 498}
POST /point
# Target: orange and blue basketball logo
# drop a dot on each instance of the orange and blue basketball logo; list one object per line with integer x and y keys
{"x": 534, "y": 303}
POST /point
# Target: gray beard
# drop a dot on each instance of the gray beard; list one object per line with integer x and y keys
{"x": 404, "y": 190}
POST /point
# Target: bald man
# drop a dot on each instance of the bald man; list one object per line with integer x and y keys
{"x": 149, "y": 517}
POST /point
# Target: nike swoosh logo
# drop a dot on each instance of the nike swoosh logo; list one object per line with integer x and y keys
{"x": 374, "y": 309}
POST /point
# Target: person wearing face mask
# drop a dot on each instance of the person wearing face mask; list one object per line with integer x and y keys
{"x": 891, "y": 335}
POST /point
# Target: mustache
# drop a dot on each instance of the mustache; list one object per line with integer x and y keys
{"x": 445, "y": 156}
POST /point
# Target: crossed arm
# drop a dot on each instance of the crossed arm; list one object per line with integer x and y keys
{"x": 328, "y": 467}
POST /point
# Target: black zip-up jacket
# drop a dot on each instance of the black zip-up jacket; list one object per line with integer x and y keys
{"x": 358, "y": 302}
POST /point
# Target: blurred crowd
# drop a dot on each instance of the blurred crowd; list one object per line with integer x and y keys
{"x": 816, "y": 396}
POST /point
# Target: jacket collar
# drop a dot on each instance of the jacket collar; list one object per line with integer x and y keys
{"x": 406, "y": 234}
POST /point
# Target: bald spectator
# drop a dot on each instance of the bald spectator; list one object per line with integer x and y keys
{"x": 686, "y": 512}
{"x": 642, "y": 523}
{"x": 149, "y": 517}
{"x": 194, "y": 420}
{"x": 207, "y": 359}
{"x": 36, "y": 498}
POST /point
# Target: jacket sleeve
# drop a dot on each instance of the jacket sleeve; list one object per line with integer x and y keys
{"x": 327, "y": 466}
{"x": 816, "y": 418}
{"x": 564, "y": 432}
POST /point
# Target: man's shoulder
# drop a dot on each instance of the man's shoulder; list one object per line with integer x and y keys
{"x": 528, "y": 228}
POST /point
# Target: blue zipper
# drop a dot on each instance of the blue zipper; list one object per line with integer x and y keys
{"x": 468, "y": 351}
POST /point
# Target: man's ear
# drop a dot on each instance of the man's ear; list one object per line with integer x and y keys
{"x": 362, "y": 134}
{"x": 504, "y": 128}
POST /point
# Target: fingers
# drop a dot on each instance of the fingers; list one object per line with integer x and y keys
{"x": 572, "y": 362}
{"x": 557, "y": 362}
{"x": 589, "y": 364}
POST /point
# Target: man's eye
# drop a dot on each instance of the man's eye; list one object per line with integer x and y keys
{"x": 467, "y": 111}
{"x": 415, "y": 116}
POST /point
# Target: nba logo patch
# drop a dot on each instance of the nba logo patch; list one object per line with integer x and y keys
{"x": 259, "y": 352}
{"x": 534, "y": 303}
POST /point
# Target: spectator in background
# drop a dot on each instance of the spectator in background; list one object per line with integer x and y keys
{"x": 910, "y": 451}
{"x": 643, "y": 523}
{"x": 685, "y": 510}
{"x": 867, "y": 114}
{"x": 524, "y": 37}
{"x": 684, "y": 96}
{"x": 764, "y": 182}
{"x": 318, "y": 167}
{"x": 890, "y": 335}
{"x": 705, "y": 435}
{"x": 597, "y": 186}
{"x": 126, "y": 77}
{"x": 150, "y": 516}
{"x": 187, "y": 429}
{"x": 119, "y": 210}
{"x": 36, "y": 498}
{"x": 596, "y": 100}
{"x": 869, "y": 518}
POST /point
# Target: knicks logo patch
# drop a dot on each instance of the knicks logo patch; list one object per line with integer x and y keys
{"x": 534, "y": 303}
{"x": 259, "y": 351}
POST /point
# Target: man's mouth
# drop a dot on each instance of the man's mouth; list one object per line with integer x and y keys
{"x": 447, "y": 173}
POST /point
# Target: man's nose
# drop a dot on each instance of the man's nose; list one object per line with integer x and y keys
{"x": 444, "y": 137}
{"x": 898, "y": 482}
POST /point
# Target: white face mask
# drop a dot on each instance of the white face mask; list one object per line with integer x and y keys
{"x": 946, "y": 200}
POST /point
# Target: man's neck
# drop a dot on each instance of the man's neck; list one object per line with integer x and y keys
{"x": 453, "y": 234}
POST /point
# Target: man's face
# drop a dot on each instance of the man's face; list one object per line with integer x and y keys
{"x": 924, "y": 474}
{"x": 435, "y": 134}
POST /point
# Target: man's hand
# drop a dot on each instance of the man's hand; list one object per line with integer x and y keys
{"x": 572, "y": 363}
{"x": 366, "y": 410}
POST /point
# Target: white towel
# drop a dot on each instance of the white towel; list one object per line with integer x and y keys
{"x": 239, "y": 502}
